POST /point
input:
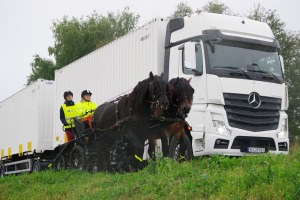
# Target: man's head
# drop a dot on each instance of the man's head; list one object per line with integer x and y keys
{"x": 86, "y": 95}
{"x": 68, "y": 95}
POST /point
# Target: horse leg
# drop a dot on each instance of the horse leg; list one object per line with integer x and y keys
{"x": 136, "y": 158}
{"x": 183, "y": 146}
{"x": 165, "y": 146}
{"x": 136, "y": 161}
{"x": 103, "y": 158}
{"x": 151, "y": 148}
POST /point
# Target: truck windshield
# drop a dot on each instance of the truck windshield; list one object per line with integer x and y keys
{"x": 245, "y": 59}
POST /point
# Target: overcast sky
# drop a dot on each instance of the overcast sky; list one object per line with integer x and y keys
{"x": 25, "y": 26}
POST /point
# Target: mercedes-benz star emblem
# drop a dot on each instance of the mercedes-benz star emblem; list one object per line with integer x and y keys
{"x": 254, "y": 100}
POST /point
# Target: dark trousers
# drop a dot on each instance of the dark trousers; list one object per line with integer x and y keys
{"x": 70, "y": 134}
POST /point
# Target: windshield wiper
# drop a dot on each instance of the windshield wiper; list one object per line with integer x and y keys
{"x": 271, "y": 75}
{"x": 235, "y": 68}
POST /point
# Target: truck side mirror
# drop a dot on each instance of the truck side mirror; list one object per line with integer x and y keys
{"x": 188, "y": 64}
{"x": 189, "y": 55}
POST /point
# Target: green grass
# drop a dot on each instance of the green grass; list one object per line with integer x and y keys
{"x": 218, "y": 177}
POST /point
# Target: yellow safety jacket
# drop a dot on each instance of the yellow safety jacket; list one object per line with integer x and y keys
{"x": 86, "y": 108}
{"x": 70, "y": 112}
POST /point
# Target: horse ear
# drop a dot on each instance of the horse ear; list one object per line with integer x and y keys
{"x": 162, "y": 75}
{"x": 151, "y": 75}
{"x": 190, "y": 79}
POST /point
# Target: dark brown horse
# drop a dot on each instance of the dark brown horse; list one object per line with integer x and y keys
{"x": 124, "y": 124}
{"x": 180, "y": 100}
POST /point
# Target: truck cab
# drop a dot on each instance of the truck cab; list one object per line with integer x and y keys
{"x": 237, "y": 72}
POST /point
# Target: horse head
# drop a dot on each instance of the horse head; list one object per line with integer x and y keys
{"x": 150, "y": 94}
{"x": 157, "y": 92}
{"x": 181, "y": 95}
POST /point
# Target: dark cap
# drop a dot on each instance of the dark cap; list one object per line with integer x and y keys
{"x": 67, "y": 93}
{"x": 85, "y": 92}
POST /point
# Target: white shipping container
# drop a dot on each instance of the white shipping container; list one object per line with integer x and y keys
{"x": 112, "y": 69}
{"x": 27, "y": 120}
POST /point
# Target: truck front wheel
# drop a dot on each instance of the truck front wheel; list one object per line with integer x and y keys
{"x": 181, "y": 148}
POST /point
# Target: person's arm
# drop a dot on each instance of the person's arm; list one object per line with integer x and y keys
{"x": 62, "y": 116}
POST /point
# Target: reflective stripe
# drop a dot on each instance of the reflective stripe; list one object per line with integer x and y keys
{"x": 20, "y": 149}
{"x": 181, "y": 157}
{"x": 9, "y": 152}
{"x": 2, "y": 152}
{"x": 141, "y": 160}
{"x": 29, "y": 146}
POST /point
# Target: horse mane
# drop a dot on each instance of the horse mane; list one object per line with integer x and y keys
{"x": 139, "y": 92}
{"x": 144, "y": 91}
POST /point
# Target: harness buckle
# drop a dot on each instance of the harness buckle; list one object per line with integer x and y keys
{"x": 162, "y": 118}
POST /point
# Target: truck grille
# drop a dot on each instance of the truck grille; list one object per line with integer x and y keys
{"x": 241, "y": 115}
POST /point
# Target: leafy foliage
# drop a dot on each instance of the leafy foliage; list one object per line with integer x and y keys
{"x": 217, "y": 7}
{"x": 182, "y": 9}
{"x": 41, "y": 68}
{"x": 75, "y": 38}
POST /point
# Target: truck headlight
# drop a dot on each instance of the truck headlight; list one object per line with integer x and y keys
{"x": 283, "y": 132}
{"x": 221, "y": 128}
{"x": 284, "y": 129}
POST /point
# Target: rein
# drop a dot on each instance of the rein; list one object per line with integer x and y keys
{"x": 136, "y": 118}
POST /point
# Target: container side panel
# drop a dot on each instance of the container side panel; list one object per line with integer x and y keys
{"x": 45, "y": 108}
{"x": 19, "y": 116}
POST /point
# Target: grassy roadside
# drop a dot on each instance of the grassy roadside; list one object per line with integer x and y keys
{"x": 218, "y": 177}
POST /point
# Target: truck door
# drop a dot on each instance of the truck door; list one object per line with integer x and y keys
{"x": 192, "y": 66}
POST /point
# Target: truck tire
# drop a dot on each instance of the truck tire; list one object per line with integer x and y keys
{"x": 1, "y": 171}
{"x": 59, "y": 163}
{"x": 35, "y": 166}
{"x": 77, "y": 158}
{"x": 176, "y": 146}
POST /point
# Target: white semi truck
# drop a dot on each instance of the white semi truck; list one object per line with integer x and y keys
{"x": 237, "y": 72}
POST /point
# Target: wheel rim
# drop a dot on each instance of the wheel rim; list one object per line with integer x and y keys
{"x": 177, "y": 154}
{"x": 1, "y": 172}
{"x": 60, "y": 163}
{"x": 35, "y": 167}
{"x": 77, "y": 160}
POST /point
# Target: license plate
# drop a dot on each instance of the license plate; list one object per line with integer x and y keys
{"x": 256, "y": 150}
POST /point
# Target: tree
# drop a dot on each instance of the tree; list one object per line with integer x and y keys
{"x": 217, "y": 7}
{"x": 290, "y": 50}
{"x": 182, "y": 9}
{"x": 41, "y": 68}
{"x": 75, "y": 38}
